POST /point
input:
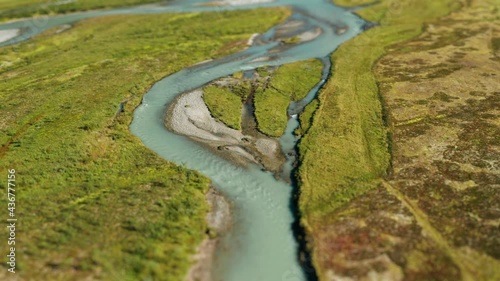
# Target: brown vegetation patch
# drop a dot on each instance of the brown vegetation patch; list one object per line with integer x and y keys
{"x": 375, "y": 235}
{"x": 436, "y": 215}
{"x": 444, "y": 110}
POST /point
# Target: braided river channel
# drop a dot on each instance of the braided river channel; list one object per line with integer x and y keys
{"x": 260, "y": 245}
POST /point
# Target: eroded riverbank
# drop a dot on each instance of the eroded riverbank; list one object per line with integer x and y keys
{"x": 219, "y": 222}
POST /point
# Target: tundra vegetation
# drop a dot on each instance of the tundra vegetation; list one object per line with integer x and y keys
{"x": 93, "y": 201}
{"x": 290, "y": 82}
{"x": 225, "y": 105}
{"x": 270, "y": 90}
{"x": 29, "y": 8}
{"x": 398, "y": 178}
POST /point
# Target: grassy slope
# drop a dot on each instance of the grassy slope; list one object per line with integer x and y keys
{"x": 345, "y": 152}
{"x": 92, "y": 201}
{"x": 224, "y": 105}
{"x": 295, "y": 80}
{"x": 306, "y": 117}
{"x": 270, "y": 111}
{"x": 26, "y": 8}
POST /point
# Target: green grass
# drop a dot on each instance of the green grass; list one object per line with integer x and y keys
{"x": 291, "y": 82}
{"x": 295, "y": 80}
{"x": 346, "y": 149}
{"x": 270, "y": 111}
{"x": 306, "y": 117}
{"x": 345, "y": 152}
{"x": 224, "y": 105}
{"x": 10, "y": 9}
{"x": 92, "y": 201}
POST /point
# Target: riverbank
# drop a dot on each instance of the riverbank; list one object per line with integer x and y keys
{"x": 219, "y": 221}
{"x": 236, "y": 117}
{"x": 95, "y": 200}
{"x": 257, "y": 102}
{"x": 378, "y": 198}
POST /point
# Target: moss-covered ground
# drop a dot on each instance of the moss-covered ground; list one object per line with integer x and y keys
{"x": 92, "y": 202}
{"x": 291, "y": 82}
{"x": 396, "y": 176}
{"x": 224, "y": 105}
{"x": 28, "y": 8}
{"x": 272, "y": 92}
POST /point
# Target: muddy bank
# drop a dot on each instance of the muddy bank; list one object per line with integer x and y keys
{"x": 219, "y": 221}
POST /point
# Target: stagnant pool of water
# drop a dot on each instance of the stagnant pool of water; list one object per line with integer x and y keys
{"x": 261, "y": 245}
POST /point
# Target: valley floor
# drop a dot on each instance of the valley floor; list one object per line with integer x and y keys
{"x": 399, "y": 174}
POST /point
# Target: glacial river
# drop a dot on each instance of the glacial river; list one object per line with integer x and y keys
{"x": 261, "y": 245}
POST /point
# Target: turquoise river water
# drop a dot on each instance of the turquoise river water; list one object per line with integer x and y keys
{"x": 260, "y": 246}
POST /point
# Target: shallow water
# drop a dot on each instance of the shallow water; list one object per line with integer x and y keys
{"x": 261, "y": 245}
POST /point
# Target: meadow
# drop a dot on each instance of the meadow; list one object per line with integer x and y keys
{"x": 92, "y": 201}
{"x": 346, "y": 150}
{"x": 290, "y": 82}
{"x": 346, "y": 156}
{"x": 28, "y": 8}
{"x": 271, "y": 92}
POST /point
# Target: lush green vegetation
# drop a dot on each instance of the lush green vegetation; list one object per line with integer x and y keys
{"x": 345, "y": 152}
{"x": 224, "y": 105}
{"x": 273, "y": 91}
{"x": 306, "y": 117}
{"x": 290, "y": 82}
{"x": 93, "y": 202}
{"x": 346, "y": 149}
{"x": 270, "y": 111}
{"x": 27, "y": 8}
{"x": 295, "y": 80}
